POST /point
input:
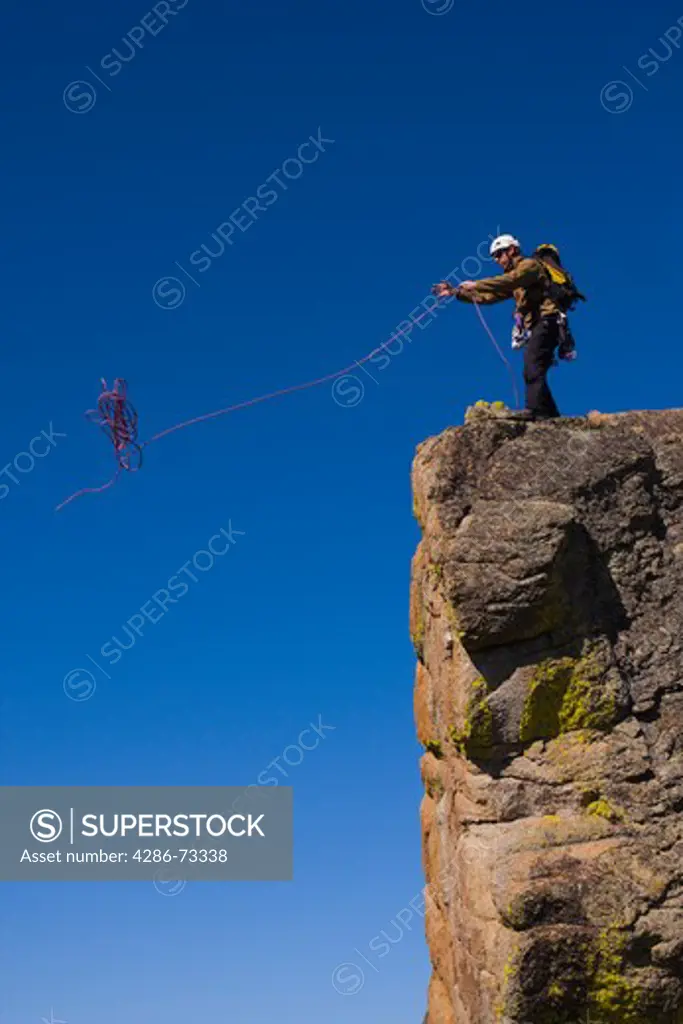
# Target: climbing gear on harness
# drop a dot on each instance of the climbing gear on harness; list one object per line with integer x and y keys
{"x": 566, "y": 349}
{"x": 520, "y": 333}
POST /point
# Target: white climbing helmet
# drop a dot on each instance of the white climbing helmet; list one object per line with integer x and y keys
{"x": 503, "y": 242}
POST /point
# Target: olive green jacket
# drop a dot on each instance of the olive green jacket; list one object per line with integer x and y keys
{"x": 527, "y": 283}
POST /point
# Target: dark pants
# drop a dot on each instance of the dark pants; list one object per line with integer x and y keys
{"x": 538, "y": 358}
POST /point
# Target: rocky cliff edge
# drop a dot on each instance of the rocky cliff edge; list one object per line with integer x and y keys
{"x": 547, "y": 613}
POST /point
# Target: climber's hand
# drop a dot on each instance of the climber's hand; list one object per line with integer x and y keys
{"x": 467, "y": 286}
{"x": 443, "y": 290}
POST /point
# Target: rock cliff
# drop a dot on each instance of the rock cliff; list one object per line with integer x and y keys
{"x": 547, "y": 613}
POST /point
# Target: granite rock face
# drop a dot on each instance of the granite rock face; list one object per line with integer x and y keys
{"x": 547, "y": 617}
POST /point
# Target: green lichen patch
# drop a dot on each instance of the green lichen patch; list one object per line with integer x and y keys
{"x": 452, "y": 617}
{"x": 481, "y": 409}
{"x": 477, "y": 411}
{"x": 602, "y": 808}
{"x": 613, "y": 997}
{"x": 588, "y": 978}
{"x": 565, "y": 695}
{"x": 587, "y": 704}
{"x": 541, "y": 715}
{"x": 435, "y": 788}
{"x": 434, "y": 747}
{"x": 510, "y": 973}
{"x": 475, "y": 739}
{"x": 418, "y": 631}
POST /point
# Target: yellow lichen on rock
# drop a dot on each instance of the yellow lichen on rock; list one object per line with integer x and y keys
{"x": 476, "y": 737}
{"x": 567, "y": 694}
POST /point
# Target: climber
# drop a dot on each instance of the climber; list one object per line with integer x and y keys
{"x": 539, "y": 313}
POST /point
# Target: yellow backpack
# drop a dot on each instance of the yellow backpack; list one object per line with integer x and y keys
{"x": 561, "y": 287}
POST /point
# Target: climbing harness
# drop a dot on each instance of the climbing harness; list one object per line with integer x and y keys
{"x": 566, "y": 349}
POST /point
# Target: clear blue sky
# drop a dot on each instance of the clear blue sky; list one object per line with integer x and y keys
{"x": 446, "y": 126}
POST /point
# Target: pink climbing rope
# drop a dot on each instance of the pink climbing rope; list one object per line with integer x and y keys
{"x": 218, "y": 412}
{"x": 118, "y": 418}
{"x": 282, "y": 391}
